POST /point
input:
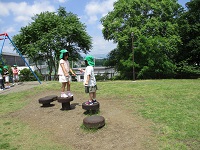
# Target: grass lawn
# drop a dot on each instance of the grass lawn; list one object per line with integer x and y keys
{"x": 173, "y": 105}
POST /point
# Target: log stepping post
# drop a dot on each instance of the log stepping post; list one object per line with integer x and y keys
{"x": 54, "y": 97}
{"x": 95, "y": 106}
{"x": 46, "y": 101}
{"x": 94, "y": 122}
{"x": 65, "y": 102}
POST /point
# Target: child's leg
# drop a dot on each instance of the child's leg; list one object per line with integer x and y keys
{"x": 63, "y": 90}
{"x": 94, "y": 95}
{"x": 90, "y": 96}
{"x": 68, "y": 86}
{"x": 89, "y": 102}
{"x": 63, "y": 86}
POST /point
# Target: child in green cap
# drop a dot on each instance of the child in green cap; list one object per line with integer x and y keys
{"x": 90, "y": 80}
{"x": 1, "y": 80}
{"x": 6, "y": 76}
{"x": 63, "y": 72}
{"x": 15, "y": 71}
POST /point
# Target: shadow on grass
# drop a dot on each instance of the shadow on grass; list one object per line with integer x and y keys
{"x": 91, "y": 112}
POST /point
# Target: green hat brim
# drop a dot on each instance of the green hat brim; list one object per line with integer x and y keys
{"x": 62, "y": 52}
{"x": 90, "y": 60}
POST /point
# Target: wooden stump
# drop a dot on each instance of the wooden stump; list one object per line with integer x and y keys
{"x": 65, "y": 102}
{"x": 45, "y": 101}
{"x": 94, "y": 122}
{"x": 54, "y": 97}
{"x": 95, "y": 106}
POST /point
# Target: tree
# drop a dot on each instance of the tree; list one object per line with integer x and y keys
{"x": 48, "y": 33}
{"x": 188, "y": 57}
{"x": 156, "y": 37}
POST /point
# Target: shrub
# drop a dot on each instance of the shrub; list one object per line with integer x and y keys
{"x": 27, "y": 75}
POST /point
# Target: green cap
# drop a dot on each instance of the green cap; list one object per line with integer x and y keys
{"x": 62, "y": 52}
{"x": 90, "y": 60}
{"x": 5, "y": 67}
{"x": 14, "y": 65}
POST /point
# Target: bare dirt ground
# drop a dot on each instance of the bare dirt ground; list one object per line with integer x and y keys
{"x": 123, "y": 129}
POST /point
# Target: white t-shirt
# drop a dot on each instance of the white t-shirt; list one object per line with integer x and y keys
{"x": 66, "y": 66}
{"x": 1, "y": 76}
{"x": 89, "y": 70}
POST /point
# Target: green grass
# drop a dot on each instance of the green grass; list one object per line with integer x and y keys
{"x": 173, "y": 106}
{"x": 15, "y": 135}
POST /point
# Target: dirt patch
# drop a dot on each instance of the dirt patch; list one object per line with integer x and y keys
{"x": 23, "y": 86}
{"x": 123, "y": 129}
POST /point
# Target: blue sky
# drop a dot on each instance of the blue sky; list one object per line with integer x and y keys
{"x": 15, "y": 14}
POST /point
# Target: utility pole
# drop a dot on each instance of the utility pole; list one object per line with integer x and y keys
{"x": 132, "y": 37}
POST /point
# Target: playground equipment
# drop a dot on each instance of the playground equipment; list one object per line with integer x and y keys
{"x": 91, "y": 108}
{"x": 5, "y": 36}
{"x": 46, "y": 101}
{"x": 94, "y": 122}
{"x": 65, "y": 102}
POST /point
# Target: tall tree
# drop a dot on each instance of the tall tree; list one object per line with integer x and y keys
{"x": 188, "y": 58}
{"x": 155, "y": 36}
{"x": 48, "y": 33}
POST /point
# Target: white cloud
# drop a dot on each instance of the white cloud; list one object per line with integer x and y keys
{"x": 10, "y": 30}
{"x": 62, "y": 1}
{"x": 23, "y": 11}
{"x": 98, "y": 8}
{"x": 4, "y": 9}
{"x": 102, "y": 47}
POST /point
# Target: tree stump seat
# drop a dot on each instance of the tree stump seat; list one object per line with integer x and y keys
{"x": 94, "y": 122}
{"x": 65, "y": 102}
{"x": 95, "y": 106}
{"x": 46, "y": 101}
{"x": 54, "y": 97}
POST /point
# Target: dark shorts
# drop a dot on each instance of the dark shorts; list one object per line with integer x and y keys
{"x": 90, "y": 89}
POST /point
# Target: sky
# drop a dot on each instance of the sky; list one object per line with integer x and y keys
{"x": 15, "y": 14}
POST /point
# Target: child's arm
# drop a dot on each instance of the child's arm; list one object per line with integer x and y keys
{"x": 87, "y": 80}
{"x": 81, "y": 70}
{"x": 72, "y": 72}
{"x": 64, "y": 70}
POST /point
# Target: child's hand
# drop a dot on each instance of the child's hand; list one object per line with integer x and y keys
{"x": 66, "y": 75}
{"x": 86, "y": 82}
{"x": 73, "y": 74}
{"x": 81, "y": 70}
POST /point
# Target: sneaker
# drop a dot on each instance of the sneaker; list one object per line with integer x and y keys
{"x": 64, "y": 95}
{"x": 94, "y": 101}
{"x": 70, "y": 94}
{"x": 88, "y": 103}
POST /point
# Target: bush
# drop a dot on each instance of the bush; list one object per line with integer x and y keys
{"x": 101, "y": 77}
{"x": 27, "y": 75}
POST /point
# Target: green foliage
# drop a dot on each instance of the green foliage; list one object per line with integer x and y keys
{"x": 100, "y": 77}
{"x": 27, "y": 75}
{"x": 184, "y": 70}
{"x": 48, "y": 33}
{"x": 99, "y": 62}
{"x": 188, "y": 56}
{"x": 155, "y": 41}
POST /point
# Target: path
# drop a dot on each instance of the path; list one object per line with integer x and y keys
{"x": 21, "y": 87}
